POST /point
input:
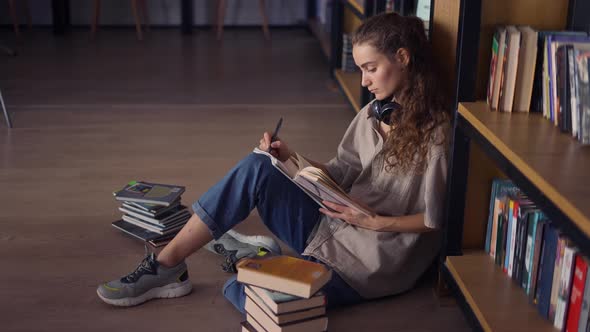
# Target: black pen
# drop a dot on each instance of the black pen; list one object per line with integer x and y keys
{"x": 276, "y": 133}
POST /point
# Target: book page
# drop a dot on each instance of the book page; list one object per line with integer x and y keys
{"x": 314, "y": 182}
{"x": 288, "y": 168}
{"x": 323, "y": 191}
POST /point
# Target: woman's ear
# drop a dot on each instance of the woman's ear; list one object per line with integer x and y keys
{"x": 403, "y": 57}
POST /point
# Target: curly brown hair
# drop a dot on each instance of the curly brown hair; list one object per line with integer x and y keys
{"x": 425, "y": 105}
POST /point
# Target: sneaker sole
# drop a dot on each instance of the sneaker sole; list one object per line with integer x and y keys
{"x": 258, "y": 241}
{"x": 164, "y": 292}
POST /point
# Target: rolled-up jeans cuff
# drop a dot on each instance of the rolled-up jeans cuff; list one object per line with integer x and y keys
{"x": 214, "y": 229}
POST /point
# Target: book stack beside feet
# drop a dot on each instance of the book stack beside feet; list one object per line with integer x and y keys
{"x": 283, "y": 294}
{"x": 152, "y": 212}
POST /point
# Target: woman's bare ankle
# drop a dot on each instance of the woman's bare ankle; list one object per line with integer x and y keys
{"x": 167, "y": 261}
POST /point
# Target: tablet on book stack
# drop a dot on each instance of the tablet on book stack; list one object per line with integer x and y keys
{"x": 152, "y": 212}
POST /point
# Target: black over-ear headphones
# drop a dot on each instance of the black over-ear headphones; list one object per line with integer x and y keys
{"x": 382, "y": 109}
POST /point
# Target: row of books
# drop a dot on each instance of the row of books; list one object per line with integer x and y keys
{"x": 283, "y": 294}
{"x": 542, "y": 71}
{"x": 422, "y": 10}
{"x": 544, "y": 263}
{"x": 348, "y": 64}
{"x": 152, "y": 212}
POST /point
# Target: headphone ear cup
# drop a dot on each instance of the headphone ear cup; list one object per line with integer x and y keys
{"x": 388, "y": 108}
{"x": 376, "y": 109}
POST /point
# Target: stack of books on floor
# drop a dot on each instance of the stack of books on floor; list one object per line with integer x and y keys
{"x": 283, "y": 294}
{"x": 152, "y": 212}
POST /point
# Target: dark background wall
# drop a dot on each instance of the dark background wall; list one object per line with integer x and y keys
{"x": 164, "y": 12}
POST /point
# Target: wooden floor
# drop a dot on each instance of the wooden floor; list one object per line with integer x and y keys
{"x": 91, "y": 115}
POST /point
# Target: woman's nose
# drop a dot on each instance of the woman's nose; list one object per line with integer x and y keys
{"x": 364, "y": 81}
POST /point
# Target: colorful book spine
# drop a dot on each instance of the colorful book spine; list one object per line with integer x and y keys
{"x": 577, "y": 294}
{"x": 495, "y": 225}
{"x": 565, "y": 283}
{"x": 531, "y": 286}
{"x": 522, "y": 236}
{"x": 585, "y": 310}
{"x": 508, "y": 238}
{"x": 493, "y": 66}
{"x": 511, "y": 244}
{"x": 546, "y": 269}
{"x": 495, "y": 185}
{"x": 556, "y": 277}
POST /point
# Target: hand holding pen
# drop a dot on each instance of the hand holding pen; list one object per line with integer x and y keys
{"x": 274, "y": 145}
{"x": 275, "y": 135}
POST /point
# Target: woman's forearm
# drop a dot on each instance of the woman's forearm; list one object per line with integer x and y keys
{"x": 403, "y": 224}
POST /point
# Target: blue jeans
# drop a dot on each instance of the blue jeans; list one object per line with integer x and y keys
{"x": 284, "y": 208}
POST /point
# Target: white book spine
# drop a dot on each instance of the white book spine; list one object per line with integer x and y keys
{"x": 565, "y": 283}
{"x": 512, "y": 243}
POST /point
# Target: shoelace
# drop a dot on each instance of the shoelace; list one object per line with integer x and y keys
{"x": 230, "y": 258}
{"x": 146, "y": 265}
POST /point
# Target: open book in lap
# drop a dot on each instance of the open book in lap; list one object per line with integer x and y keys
{"x": 314, "y": 182}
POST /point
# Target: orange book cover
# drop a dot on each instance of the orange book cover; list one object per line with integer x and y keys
{"x": 284, "y": 274}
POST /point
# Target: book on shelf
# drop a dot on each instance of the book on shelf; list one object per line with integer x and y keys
{"x": 520, "y": 244}
{"x": 562, "y": 58}
{"x": 535, "y": 243}
{"x": 585, "y": 306}
{"x": 500, "y": 240}
{"x": 315, "y": 182}
{"x": 546, "y": 269}
{"x": 510, "y": 235}
{"x": 537, "y": 96}
{"x": 515, "y": 205}
{"x": 152, "y": 193}
{"x": 262, "y": 322}
{"x": 559, "y": 255}
{"x": 501, "y": 189}
{"x": 577, "y": 293}
{"x": 540, "y": 260}
{"x": 495, "y": 185}
{"x": 542, "y": 71}
{"x": 553, "y": 42}
{"x": 525, "y": 76}
{"x": 511, "y": 55}
{"x": 496, "y": 67}
{"x": 284, "y": 274}
{"x": 564, "y": 286}
{"x": 280, "y": 303}
{"x": 583, "y": 96}
{"x": 348, "y": 64}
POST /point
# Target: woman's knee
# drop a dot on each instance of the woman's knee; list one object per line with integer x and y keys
{"x": 256, "y": 162}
